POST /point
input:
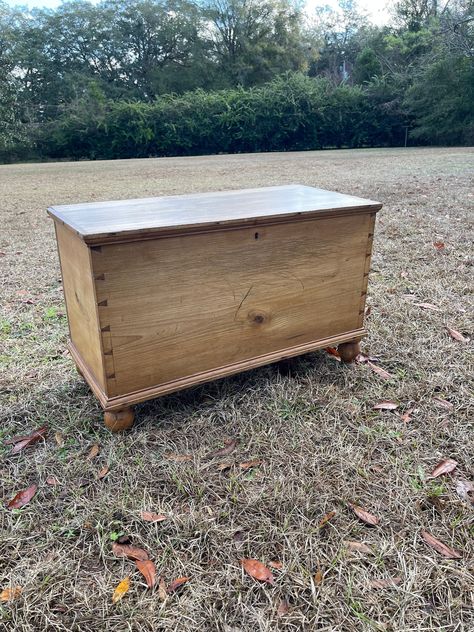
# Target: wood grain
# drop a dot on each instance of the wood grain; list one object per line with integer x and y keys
{"x": 79, "y": 294}
{"x": 185, "y": 305}
{"x": 122, "y": 220}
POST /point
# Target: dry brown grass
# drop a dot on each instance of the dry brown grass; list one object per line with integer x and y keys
{"x": 311, "y": 422}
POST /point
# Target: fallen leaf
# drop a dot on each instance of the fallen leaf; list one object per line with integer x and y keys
{"x": 283, "y": 608}
{"x": 229, "y": 447}
{"x": 332, "y": 351}
{"x": 127, "y": 550}
{"x": 177, "y": 583}
{"x": 257, "y": 570}
{"x": 102, "y": 473}
{"x": 318, "y": 577}
{"x": 59, "y": 438}
{"x": 93, "y": 452}
{"x": 9, "y": 594}
{"x": 27, "y": 440}
{"x": 51, "y": 480}
{"x": 465, "y": 490}
{"x": 439, "y": 245}
{"x": 406, "y": 417}
{"x": 444, "y": 467}
{"x": 442, "y": 403}
{"x": 385, "y": 583}
{"x": 325, "y": 519}
{"x": 385, "y": 375}
{"x": 428, "y": 306}
{"x": 386, "y": 405}
{"x": 223, "y": 467}
{"x": 151, "y": 516}
{"x": 148, "y": 570}
{"x": 275, "y": 564}
{"x": 162, "y": 592}
{"x": 178, "y": 458}
{"x": 23, "y": 497}
{"x": 456, "y": 335}
{"x": 121, "y": 589}
{"x": 364, "y": 515}
{"x": 358, "y": 546}
{"x": 249, "y": 464}
{"x": 445, "y": 550}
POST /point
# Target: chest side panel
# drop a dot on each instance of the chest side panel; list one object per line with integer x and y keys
{"x": 79, "y": 293}
{"x": 177, "y": 306}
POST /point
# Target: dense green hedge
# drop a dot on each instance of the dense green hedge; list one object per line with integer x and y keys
{"x": 290, "y": 113}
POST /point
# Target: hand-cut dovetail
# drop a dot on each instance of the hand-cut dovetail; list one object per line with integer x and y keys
{"x": 96, "y": 248}
{"x": 109, "y": 352}
{"x": 100, "y": 277}
{"x": 106, "y": 328}
{"x": 368, "y": 255}
{"x": 371, "y": 235}
{"x": 366, "y": 274}
{"x": 102, "y": 303}
{"x": 363, "y": 293}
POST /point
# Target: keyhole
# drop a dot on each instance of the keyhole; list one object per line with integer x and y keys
{"x": 256, "y": 235}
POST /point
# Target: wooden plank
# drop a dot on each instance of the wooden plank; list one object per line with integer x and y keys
{"x": 79, "y": 293}
{"x": 103, "y": 222}
{"x": 185, "y": 305}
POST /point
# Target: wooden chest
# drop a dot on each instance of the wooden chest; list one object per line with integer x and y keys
{"x": 164, "y": 293}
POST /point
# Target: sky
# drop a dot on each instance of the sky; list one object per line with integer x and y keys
{"x": 376, "y": 9}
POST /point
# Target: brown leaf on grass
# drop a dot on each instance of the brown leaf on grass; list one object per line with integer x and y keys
{"x": 52, "y": 481}
{"x": 442, "y": 403}
{"x": 456, "y": 335}
{"x": 151, "y": 516}
{"x": 249, "y": 464}
{"x": 428, "y": 306}
{"x": 93, "y": 452}
{"x": 148, "y": 570}
{"x": 162, "y": 592}
{"x": 223, "y": 467}
{"x": 9, "y": 594}
{"x": 406, "y": 417}
{"x": 325, "y": 519}
{"x": 230, "y": 445}
{"x": 129, "y": 551}
{"x": 176, "y": 584}
{"x": 283, "y": 608}
{"x": 59, "y": 438}
{"x": 385, "y": 583}
{"x": 364, "y": 515}
{"x": 439, "y": 245}
{"x": 178, "y": 458}
{"x": 465, "y": 490}
{"x": 445, "y": 550}
{"x": 444, "y": 467}
{"x": 385, "y": 375}
{"x": 318, "y": 577}
{"x": 121, "y": 590}
{"x": 102, "y": 473}
{"x": 23, "y": 497}
{"x": 27, "y": 440}
{"x": 386, "y": 405}
{"x": 275, "y": 564}
{"x": 257, "y": 570}
{"x": 358, "y": 546}
{"x": 332, "y": 351}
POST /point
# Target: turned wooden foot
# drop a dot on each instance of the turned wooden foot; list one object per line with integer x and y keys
{"x": 349, "y": 350}
{"x": 119, "y": 420}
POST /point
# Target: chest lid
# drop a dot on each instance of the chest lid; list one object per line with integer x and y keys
{"x": 127, "y": 220}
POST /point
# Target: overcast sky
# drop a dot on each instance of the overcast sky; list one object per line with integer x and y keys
{"x": 376, "y": 9}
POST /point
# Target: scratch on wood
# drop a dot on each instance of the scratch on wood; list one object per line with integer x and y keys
{"x": 242, "y": 301}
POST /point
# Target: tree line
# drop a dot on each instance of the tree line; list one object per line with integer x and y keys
{"x": 125, "y": 78}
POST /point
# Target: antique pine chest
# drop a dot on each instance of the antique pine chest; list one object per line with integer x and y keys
{"x": 164, "y": 293}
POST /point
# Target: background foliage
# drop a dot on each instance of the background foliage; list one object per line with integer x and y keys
{"x": 128, "y": 78}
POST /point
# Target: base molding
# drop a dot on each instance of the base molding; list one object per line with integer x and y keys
{"x": 129, "y": 399}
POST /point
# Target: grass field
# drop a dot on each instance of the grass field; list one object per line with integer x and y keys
{"x": 311, "y": 422}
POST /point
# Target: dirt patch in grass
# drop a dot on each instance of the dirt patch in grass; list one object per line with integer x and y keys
{"x": 310, "y": 422}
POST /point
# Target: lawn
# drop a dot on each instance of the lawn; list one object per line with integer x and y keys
{"x": 309, "y": 422}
